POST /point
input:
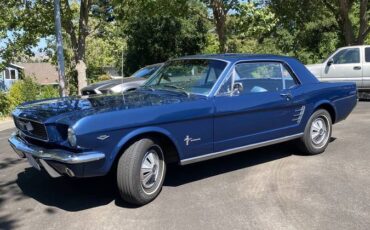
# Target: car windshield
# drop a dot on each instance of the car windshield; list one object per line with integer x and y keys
{"x": 192, "y": 76}
{"x": 145, "y": 72}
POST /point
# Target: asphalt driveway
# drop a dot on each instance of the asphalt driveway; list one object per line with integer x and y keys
{"x": 269, "y": 188}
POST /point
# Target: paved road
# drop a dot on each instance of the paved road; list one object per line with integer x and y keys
{"x": 270, "y": 188}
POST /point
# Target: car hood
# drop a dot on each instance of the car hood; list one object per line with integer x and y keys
{"x": 69, "y": 109}
{"x": 112, "y": 83}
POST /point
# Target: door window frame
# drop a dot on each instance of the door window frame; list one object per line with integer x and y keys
{"x": 340, "y": 50}
{"x": 231, "y": 74}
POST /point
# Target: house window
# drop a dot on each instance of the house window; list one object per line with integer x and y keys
{"x": 7, "y": 74}
{"x": 10, "y": 74}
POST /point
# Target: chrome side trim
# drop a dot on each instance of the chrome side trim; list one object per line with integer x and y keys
{"x": 59, "y": 155}
{"x": 239, "y": 149}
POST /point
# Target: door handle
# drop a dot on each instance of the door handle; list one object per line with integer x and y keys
{"x": 357, "y": 68}
{"x": 288, "y": 96}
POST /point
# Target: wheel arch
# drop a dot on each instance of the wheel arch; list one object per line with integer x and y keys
{"x": 168, "y": 142}
{"x": 328, "y": 106}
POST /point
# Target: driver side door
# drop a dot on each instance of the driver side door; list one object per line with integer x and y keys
{"x": 260, "y": 110}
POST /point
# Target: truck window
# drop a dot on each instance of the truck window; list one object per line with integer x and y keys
{"x": 367, "y": 54}
{"x": 347, "y": 56}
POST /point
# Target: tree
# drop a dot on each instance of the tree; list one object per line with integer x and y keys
{"x": 350, "y": 16}
{"x": 220, "y": 9}
{"x": 30, "y": 20}
{"x": 341, "y": 10}
{"x": 162, "y": 29}
{"x": 305, "y": 29}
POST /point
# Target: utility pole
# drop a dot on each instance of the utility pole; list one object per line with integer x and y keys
{"x": 60, "y": 54}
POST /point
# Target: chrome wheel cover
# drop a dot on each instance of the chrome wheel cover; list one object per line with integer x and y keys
{"x": 150, "y": 169}
{"x": 320, "y": 131}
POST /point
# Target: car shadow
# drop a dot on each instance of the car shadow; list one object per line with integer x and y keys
{"x": 80, "y": 194}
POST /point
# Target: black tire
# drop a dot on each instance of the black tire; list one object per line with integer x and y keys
{"x": 129, "y": 172}
{"x": 310, "y": 145}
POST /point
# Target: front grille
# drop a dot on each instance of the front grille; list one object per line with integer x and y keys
{"x": 31, "y": 128}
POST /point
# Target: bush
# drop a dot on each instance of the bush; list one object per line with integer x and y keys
{"x": 28, "y": 90}
{"x": 48, "y": 91}
{"x": 104, "y": 77}
{"x": 22, "y": 91}
{"x": 4, "y": 104}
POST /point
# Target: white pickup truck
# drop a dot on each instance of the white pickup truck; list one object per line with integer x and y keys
{"x": 349, "y": 64}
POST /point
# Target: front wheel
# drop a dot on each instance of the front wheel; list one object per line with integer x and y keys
{"x": 317, "y": 133}
{"x": 141, "y": 171}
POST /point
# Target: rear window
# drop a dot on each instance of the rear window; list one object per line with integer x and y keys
{"x": 367, "y": 54}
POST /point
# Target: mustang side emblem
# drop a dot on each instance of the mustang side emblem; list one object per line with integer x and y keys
{"x": 188, "y": 139}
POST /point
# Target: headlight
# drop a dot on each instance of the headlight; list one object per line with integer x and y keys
{"x": 72, "y": 137}
{"x": 117, "y": 88}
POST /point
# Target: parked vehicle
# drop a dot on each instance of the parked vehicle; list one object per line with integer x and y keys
{"x": 347, "y": 64}
{"x": 123, "y": 84}
{"x": 193, "y": 109}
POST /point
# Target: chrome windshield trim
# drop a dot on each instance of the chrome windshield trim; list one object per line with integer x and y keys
{"x": 63, "y": 156}
{"x": 239, "y": 149}
{"x": 214, "y": 87}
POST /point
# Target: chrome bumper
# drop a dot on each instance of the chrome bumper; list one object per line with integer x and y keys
{"x": 63, "y": 156}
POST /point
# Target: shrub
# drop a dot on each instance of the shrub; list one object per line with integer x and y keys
{"x": 104, "y": 77}
{"x": 4, "y": 104}
{"x": 22, "y": 91}
{"x": 48, "y": 91}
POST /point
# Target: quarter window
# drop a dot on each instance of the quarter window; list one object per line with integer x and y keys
{"x": 347, "y": 56}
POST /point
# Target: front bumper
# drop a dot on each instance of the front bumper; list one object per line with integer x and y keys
{"x": 49, "y": 157}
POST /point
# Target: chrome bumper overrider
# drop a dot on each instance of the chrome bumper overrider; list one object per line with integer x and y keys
{"x": 43, "y": 155}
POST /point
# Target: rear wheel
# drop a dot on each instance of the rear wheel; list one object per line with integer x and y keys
{"x": 140, "y": 172}
{"x": 317, "y": 133}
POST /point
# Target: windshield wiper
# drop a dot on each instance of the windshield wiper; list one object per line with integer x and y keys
{"x": 182, "y": 89}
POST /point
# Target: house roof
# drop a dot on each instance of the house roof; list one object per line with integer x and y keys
{"x": 44, "y": 73}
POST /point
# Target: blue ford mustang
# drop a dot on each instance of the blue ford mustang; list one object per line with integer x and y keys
{"x": 193, "y": 109}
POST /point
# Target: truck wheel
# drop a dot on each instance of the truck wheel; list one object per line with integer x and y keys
{"x": 140, "y": 172}
{"x": 317, "y": 133}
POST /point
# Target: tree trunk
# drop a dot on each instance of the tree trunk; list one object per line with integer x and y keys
{"x": 364, "y": 28}
{"x": 345, "y": 22}
{"x": 81, "y": 75}
{"x": 82, "y": 34}
{"x": 219, "y": 17}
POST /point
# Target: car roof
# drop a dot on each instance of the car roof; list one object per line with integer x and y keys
{"x": 234, "y": 57}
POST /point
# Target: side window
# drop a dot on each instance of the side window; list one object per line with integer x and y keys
{"x": 367, "y": 54}
{"x": 347, "y": 56}
{"x": 259, "y": 77}
{"x": 263, "y": 77}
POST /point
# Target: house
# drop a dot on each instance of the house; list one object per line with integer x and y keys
{"x": 8, "y": 76}
{"x": 44, "y": 73}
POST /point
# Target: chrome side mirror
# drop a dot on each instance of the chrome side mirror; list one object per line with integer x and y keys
{"x": 237, "y": 88}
